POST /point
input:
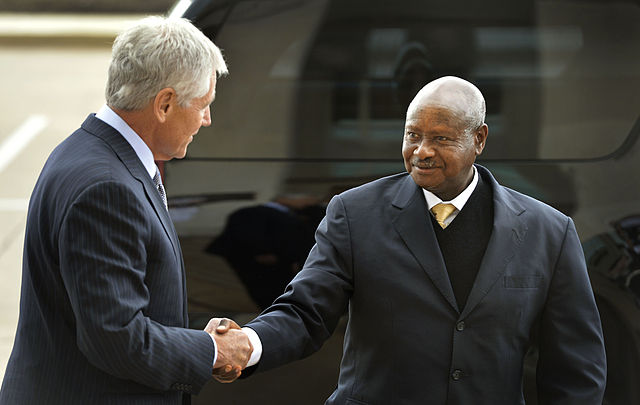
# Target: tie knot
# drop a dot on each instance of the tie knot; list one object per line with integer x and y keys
{"x": 157, "y": 180}
{"x": 442, "y": 212}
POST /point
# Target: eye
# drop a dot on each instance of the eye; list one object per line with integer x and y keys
{"x": 412, "y": 136}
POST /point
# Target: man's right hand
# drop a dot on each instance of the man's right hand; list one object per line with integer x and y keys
{"x": 234, "y": 349}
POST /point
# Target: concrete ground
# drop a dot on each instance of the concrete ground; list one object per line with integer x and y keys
{"x": 52, "y": 74}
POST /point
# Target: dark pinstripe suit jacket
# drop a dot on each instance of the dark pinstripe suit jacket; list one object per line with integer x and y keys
{"x": 103, "y": 307}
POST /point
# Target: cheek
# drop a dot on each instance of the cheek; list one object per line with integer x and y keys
{"x": 193, "y": 123}
{"x": 407, "y": 151}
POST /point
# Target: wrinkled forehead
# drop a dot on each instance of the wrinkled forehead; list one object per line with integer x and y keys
{"x": 456, "y": 99}
{"x": 434, "y": 115}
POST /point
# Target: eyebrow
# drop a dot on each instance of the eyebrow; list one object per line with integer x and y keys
{"x": 436, "y": 130}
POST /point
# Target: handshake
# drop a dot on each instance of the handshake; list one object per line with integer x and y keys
{"x": 234, "y": 349}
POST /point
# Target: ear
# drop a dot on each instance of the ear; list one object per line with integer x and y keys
{"x": 480, "y": 138}
{"x": 163, "y": 103}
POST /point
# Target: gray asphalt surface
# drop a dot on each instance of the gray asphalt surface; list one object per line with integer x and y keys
{"x": 52, "y": 74}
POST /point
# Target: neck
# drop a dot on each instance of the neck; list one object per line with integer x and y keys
{"x": 141, "y": 123}
{"x": 450, "y": 196}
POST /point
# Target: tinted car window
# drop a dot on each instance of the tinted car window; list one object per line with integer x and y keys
{"x": 315, "y": 102}
{"x": 560, "y": 78}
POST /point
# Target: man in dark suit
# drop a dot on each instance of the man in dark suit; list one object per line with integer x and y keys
{"x": 443, "y": 307}
{"x": 103, "y": 312}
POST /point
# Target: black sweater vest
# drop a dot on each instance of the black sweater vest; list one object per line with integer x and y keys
{"x": 465, "y": 240}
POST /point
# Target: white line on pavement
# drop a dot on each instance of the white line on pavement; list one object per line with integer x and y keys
{"x": 17, "y": 141}
{"x": 14, "y": 204}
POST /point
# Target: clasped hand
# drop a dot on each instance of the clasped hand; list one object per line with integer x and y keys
{"x": 234, "y": 349}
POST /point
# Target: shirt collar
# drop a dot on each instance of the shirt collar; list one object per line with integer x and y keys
{"x": 457, "y": 202}
{"x": 145, "y": 155}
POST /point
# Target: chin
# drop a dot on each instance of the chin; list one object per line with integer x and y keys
{"x": 425, "y": 185}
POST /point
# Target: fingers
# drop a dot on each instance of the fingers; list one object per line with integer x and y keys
{"x": 223, "y": 326}
{"x": 212, "y": 325}
{"x": 233, "y": 348}
{"x": 220, "y": 325}
{"x": 226, "y": 374}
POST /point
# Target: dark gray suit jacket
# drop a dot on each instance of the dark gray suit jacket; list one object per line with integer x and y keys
{"x": 406, "y": 341}
{"x": 103, "y": 307}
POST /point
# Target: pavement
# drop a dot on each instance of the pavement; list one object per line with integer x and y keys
{"x": 16, "y": 26}
{"x": 52, "y": 72}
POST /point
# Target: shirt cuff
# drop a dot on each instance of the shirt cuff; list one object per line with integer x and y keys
{"x": 257, "y": 346}
{"x": 215, "y": 350}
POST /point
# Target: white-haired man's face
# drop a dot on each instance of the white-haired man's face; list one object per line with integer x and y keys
{"x": 182, "y": 124}
{"x": 439, "y": 151}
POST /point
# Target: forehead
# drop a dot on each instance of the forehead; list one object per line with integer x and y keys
{"x": 211, "y": 94}
{"x": 433, "y": 117}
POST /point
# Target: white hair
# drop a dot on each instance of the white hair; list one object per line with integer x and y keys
{"x": 157, "y": 53}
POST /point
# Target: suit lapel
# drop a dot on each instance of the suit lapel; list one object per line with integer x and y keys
{"x": 130, "y": 159}
{"x": 411, "y": 221}
{"x": 506, "y": 239}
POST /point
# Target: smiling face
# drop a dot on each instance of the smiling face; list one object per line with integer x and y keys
{"x": 439, "y": 147}
{"x": 182, "y": 123}
{"x": 438, "y": 152}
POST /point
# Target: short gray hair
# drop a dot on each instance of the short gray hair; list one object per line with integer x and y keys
{"x": 157, "y": 53}
{"x": 475, "y": 115}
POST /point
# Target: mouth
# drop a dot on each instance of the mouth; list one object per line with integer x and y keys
{"x": 423, "y": 166}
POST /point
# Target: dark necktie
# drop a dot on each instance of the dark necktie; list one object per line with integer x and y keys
{"x": 158, "y": 182}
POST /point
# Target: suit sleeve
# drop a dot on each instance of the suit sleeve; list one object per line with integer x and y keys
{"x": 572, "y": 364}
{"x": 103, "y": 263}
{"x": 305, "y": 316}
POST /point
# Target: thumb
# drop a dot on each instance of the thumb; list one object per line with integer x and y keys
{"x": 223, "y": 326}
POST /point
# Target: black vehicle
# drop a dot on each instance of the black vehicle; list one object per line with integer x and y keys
{"x": 315, "y": 102}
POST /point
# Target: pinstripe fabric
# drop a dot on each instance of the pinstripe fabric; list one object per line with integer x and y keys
{"x": 103, "y": 306}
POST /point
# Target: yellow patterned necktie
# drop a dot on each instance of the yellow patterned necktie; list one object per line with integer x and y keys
{"x": 442, "y": 212}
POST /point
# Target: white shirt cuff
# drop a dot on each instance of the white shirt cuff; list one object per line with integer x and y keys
{"x": 215, "y": 350}
{"x": 257, "y": 346}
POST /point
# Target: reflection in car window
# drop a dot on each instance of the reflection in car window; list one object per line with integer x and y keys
{"x": 332, "y": 79}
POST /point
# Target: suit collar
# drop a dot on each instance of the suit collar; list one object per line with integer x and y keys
{"x": 411, "y": 221}
{"x": 130, "y": 159}
{"x": 507, "y": 235}
{"x": 405, "y": 193}
{"x": 143, "y": 152}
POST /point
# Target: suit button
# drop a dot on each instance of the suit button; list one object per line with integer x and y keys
{"x": 456, "y": 375}
{"x": 460, "y": 326}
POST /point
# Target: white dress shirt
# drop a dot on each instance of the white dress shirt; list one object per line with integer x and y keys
{"x": 457, "y": 202}
{"x": 145, "y": 155}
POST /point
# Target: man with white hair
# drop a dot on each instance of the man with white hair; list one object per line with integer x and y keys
{"x": 103, "y": 312}
{"x": 447, "y": 277}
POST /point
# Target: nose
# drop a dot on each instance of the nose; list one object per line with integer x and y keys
{"x": 206, "y": 119}
{"x": 424, "y": 149}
